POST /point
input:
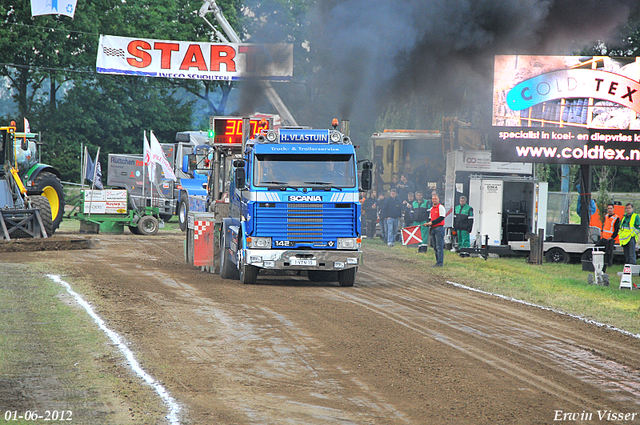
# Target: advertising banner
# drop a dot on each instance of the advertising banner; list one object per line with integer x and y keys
{"x": 194, "y": 60}
{"x": 108, "y": 201}
{"x": 566, "y": 109}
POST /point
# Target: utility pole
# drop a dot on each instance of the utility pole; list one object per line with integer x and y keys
{"x": 269, "y": 91}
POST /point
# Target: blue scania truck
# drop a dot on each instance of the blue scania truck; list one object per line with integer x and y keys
{"x": 294, "y": 206}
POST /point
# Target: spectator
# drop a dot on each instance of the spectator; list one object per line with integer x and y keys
{"x": 610, "y": 229}
{"x": 463, "y": 222}
{"x": 404, "y": 186}
{"x": 436, "y": 221}
{"x": 424, "y": 175}
{"x": 394, "y": 182}
{"x": 420, "y": 214}
{"x": 362, "y": 196}
{"x": 391, "y": 213}
{"x": 628, "y": 234}
{"x": 406, "y": 210}
{"x": 592, "y": 204}
{"x": 370, "y": 214}
{"x": 383, "y": 225}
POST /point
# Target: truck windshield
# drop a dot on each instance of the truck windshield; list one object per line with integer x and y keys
{"x": 292, "y": 170}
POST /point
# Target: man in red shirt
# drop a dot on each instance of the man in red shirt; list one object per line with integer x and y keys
{"x": 436, "y": 221}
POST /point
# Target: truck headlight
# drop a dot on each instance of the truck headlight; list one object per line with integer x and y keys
{"x": 272, "y": 136}
{"x": 335, "y": 136}
{"x": 347, "y": 243}
{"x": 254, "y": 242}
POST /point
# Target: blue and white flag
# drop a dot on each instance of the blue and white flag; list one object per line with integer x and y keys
{"x": 92, "y": 172}
{"x": 53, "y": 7}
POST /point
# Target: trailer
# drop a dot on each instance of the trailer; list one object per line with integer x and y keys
{"x": 511, "y": 207}
{"x": 127, "y": 171}
{"x": 110, "y": 210}
{"x": 508, "y": 202}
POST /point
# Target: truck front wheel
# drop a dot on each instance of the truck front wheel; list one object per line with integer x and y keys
{"x": 347, "y": 277}
{"x": 183, "y": 211}
{"x": 248, "y": 274}
{"x": 227, "y": 268}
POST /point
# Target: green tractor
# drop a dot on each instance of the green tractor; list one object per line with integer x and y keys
{"x": 39, "y": 179}
{"x": 21, "y": 215}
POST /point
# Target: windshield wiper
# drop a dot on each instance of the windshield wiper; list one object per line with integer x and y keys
{"x": 280, "y": 185}
{"x": 327, "y": 185}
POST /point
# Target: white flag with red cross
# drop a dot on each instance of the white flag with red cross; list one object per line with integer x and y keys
{"x": 411, "y": 235}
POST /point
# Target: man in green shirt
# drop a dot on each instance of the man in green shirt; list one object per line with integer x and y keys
{"x": 463, "y": 222}
{"x": 420, "y": 215}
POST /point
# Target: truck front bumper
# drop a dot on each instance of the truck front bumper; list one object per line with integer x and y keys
{"x": 302, "y": 259}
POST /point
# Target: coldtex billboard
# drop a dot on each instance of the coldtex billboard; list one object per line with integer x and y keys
{"x": 566, "y": 109}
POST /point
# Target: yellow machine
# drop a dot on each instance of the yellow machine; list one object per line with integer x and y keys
{"x": 21, "y": 215}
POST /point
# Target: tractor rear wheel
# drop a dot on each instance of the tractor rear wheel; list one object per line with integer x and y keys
{"x": 41, "y": 203}
{"x": 48, "y": 184}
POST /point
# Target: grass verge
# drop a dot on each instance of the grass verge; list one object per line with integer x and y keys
{"x": 559, "y": 286}
{"x": 53, "y": 358}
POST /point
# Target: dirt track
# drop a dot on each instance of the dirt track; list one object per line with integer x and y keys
{"x": 398, "y": 348}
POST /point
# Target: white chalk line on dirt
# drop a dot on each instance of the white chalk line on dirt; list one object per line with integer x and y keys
{"x": 515, "y": 300}
{"x": 171, "y": 403}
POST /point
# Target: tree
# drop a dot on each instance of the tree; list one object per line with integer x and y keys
{"x": 50, "y": 65}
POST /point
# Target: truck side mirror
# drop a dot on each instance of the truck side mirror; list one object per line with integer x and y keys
{"x": 191, "y": 162}
{"x": 240, "y": 180}
{"x": 367, "y": 176}
{"x": 186, "y": 164}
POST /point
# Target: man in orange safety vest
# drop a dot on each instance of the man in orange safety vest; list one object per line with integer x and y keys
{"x": 609, "y": 234}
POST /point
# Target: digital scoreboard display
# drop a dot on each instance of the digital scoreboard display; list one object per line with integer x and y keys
{"x": 229, "y": 130}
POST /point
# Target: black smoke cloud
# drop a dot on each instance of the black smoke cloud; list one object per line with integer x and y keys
{"x": 377, "y": 51}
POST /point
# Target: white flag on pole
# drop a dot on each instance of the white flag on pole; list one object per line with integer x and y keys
{"x": 53, "y": 7}
{"x": 27, "y": 127}
{"x": 157, "y": 155}
{"x": 147, "y": 158}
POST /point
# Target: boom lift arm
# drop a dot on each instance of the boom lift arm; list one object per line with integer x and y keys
{"x": 270, "y": 92}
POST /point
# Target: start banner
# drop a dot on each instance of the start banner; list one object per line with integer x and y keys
{"x": 194, "y": 60}
{"x": 566, "y": 109}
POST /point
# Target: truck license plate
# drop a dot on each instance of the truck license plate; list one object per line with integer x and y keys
{"x": 302, "y": 262}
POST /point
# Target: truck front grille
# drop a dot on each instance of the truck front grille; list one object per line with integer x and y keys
{"x": 305, "y": 222}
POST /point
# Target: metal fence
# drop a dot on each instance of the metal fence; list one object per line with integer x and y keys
{"x": 558, "y": 205}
